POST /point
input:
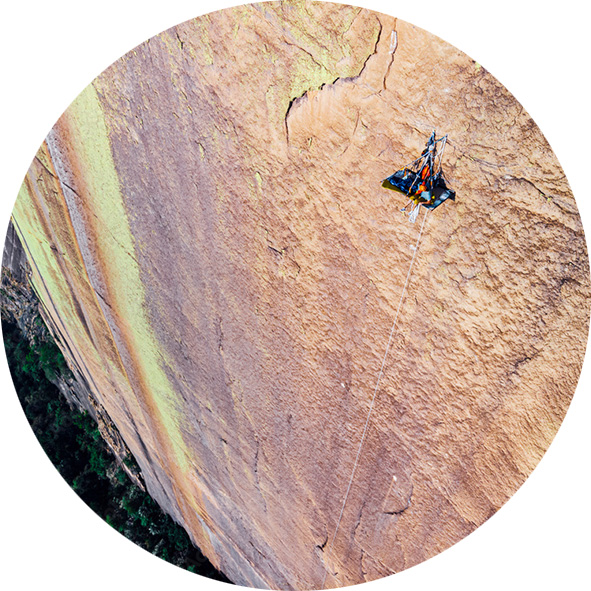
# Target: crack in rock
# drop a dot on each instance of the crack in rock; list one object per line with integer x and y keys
{"x": 392, "y": 51}
{"x": 406, "y": 506}
{"x": 294, "y": 102}
{"x": 47, "y": 169}
{"x": 509, "y": 177}
{"x": 256, "y": 474}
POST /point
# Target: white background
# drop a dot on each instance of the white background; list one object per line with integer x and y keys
{"x": 51, "y": 51}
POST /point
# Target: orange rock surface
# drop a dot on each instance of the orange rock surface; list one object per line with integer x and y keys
{"x": 208, "y": 233}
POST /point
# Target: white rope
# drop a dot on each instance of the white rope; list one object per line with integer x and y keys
{"x": 414, "y": 212}
{"x": 374, "y": 396}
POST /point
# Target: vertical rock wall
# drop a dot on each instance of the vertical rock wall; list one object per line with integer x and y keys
{"x": 206, "y": 228}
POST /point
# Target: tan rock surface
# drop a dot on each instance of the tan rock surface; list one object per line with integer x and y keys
{"x": 207, "y": 230}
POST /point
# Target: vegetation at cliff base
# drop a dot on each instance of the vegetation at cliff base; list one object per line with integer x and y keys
{"x": 73, "y": 443}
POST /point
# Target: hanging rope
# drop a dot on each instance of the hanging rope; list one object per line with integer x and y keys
{"x": 374, "y": 396}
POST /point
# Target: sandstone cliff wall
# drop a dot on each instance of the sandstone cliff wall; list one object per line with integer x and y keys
{"x": 20, "y": 306}
{"x": 206, "y": 229}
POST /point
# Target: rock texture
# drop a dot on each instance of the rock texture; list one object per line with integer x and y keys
{"x": 207, "y": 231}
{"x": 20, "y": 305}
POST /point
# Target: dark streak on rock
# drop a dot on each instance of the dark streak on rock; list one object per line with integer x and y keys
{"x": 220, "y": 334}
{"x": 296, "y": 100}
{"x": 257, "y": 550}
{"x": 323, "y": 545}
{"x": 527, "y": 181}
{"x": 181, "y": 43}
{"x": 71, "y": 188}
{"x": 45, "y": 167}
{"x": 275, "y": 250}
{"x": 292, "y": 102}
{"x": 375, "y": 50}
{"x": 102, "y": 297}
{"x": 305, "y": 51}
{"x": 408, "y": 502}
{"x": 256, "y": 473}
{"x": 358, "y": 520}
{"x": 521, "y": 361}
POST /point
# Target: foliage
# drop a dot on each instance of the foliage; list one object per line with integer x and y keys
{"x": 73, "y": 443}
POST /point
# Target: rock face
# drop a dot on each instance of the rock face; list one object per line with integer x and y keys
{"x": 19, "y": 302}
{"x": 20, "y": 305}
{"x": 206, "y": 229}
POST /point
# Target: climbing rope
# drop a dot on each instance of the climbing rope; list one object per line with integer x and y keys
{"x": 374, "y": 396}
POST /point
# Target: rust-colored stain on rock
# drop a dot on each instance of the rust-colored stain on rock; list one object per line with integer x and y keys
{"x": 206, "y": 228}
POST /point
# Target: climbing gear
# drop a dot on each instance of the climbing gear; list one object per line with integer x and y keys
{"x": 422, "y": 180}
